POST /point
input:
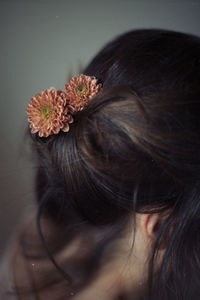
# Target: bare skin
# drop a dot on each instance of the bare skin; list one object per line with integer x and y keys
{"x": 126, "y": 274}
{"x": 122, "y": 273}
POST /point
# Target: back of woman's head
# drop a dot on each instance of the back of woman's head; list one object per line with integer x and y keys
{"x": 136, "y": 148}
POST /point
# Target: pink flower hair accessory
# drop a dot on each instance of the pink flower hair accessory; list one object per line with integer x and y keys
{"x": 52, "y": 110}
{"x": 80, "y": 90}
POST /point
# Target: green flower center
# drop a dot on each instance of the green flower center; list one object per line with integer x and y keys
{"x": 81, "y": 89}
{"x": 45, "y": 111}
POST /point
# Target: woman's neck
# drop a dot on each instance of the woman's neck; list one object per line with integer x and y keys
{"x": 115, "y": 273}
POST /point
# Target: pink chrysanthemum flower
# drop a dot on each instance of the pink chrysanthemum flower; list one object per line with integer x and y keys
{"x": 80, "y": 90}
{"x": 49, "y": 113}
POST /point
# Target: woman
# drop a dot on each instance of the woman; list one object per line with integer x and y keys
{"x": 118, "y": 178}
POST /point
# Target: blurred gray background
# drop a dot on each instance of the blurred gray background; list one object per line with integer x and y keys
{"x": 41, "y": 42}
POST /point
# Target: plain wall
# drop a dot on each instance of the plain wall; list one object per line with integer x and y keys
{"x": 41, "y": 42}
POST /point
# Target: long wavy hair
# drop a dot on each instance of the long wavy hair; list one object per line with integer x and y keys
{"x": 134, "y": 149}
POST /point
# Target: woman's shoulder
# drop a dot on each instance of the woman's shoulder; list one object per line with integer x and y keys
{"x": 7, "y": 286}
{"x": 13, "y": 249}
{"x": 25, "y": 263}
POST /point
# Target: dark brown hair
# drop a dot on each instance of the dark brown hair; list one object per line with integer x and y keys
{"x": 135, "y": 148}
